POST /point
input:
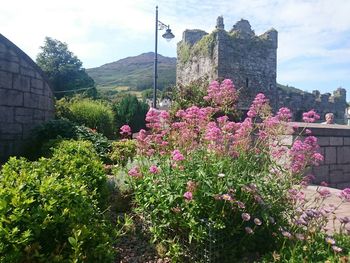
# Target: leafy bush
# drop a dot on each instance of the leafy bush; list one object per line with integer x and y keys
{"x": 43, "y": 133}
{"x": 49, "y": 134}
{"x": 129, "y": 110}
{"x": 100, "y": 143}
{"x": 50, "y": 209}
{"x": 122, "y": 151}
{"x": 204, "y": 177}
{"x": 93, "y": 114}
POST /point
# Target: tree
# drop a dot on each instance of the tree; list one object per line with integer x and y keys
{"x": 129, "y": 110}
{"x": 64, "y": 69}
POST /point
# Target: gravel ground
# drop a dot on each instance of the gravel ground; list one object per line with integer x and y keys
{"x": 135, "y": 247}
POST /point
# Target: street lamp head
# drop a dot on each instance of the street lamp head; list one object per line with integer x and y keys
{"x": 168, "y": 35}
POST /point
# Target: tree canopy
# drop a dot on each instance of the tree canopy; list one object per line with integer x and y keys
{"x": 64, "y": 69}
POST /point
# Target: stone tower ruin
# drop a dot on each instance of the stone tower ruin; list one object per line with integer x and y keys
{"x": 249, "y": 60}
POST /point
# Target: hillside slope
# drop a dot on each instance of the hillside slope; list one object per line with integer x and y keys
{"x": 135, "y": 72}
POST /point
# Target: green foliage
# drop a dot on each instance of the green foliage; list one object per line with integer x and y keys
{"x": 42, "y": 135}
{"x": 100, "y": 143}
{"x": 50, "y": 210}
{"x": 312, "y": 249}
{"x": 63, "y": 69}
{"x": 185, "y": 96}
{"x": 203, "y": 48}
{"x": 49, "y": 134}
{"x": 122, "y": 151}
{"x": 184, "y": 226}
{"x": 183, "y": 52}
{"x": 93, "y": 114}
{"x": 129, "y": 110}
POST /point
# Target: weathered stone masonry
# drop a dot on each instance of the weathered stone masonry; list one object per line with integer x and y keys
{"x": 251, "y": 62}
{"x": 334, "y": 141}
{"x": 26, "y": 99}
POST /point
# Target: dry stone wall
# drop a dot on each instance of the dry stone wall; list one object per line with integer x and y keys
{"x": 26, "y": 98}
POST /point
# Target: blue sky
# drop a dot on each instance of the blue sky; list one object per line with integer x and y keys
{"x": 314, "y": 35}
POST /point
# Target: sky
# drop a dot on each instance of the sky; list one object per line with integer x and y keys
{"x": 313, "y": 35}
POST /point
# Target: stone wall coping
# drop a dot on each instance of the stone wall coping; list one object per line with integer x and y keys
{"x": 319, "y": 129}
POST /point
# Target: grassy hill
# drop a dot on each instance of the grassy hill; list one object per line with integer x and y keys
{"x": 135, "y": 72}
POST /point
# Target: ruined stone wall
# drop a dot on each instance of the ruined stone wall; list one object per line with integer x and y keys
{"x": 334, "y": 141}
{"x": 240, "y": 55}
{"x": 321, "y": 103}
{"x": 197, "y": 59}
{"x": 26, "y": 99}
{"x": 250, "y": 61}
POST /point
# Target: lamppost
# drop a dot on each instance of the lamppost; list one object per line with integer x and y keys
{"x": 168, "y": 36}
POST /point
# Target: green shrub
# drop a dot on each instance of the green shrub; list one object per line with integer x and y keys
{"x": 49, "y": 134}
{"x": 43, "y": 133}
{"x": 82, "y": 163}
{"x": 50, "y": 209}
{"x": 122, "y": 151}
{"x": 129, "y": 110}
{"x": 101, "y": 144}
{"x": 93, "y": 114}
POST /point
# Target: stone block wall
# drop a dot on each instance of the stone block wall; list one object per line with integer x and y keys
{"x": 334, "y": 141}
{"x": 26, "y": 98}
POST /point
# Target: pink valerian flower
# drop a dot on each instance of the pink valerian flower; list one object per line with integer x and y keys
{"x": 248, "y": 230}
{"x": 191, "y": 186}
{"x": 287, "y": 234}
{"x": 300, "y": 236}
{"x": 226, "y": 197}
{"x": 257, "y": 105}
{"x": 154, "y": 169}
{"x": 240, "y": 204}
{"x": 324, "y": 192}
{"x": 245, "y": 216}
{"x": 177, "y": 156}
{"x": 304, "y": 153}
{"x": 188, "y": 196}
{"x": 284, "y": 114}
{"x": 242, "y": 137}
{"x": 330, "y": 240}
{"x": 344, "y": 220}
{"x": 222, "y": 95}
{"x": 296, "y": 195}
{"x": 125, "y": 130}
{"x": 135, "y": 172}
{"x": 310, "y": 116}
{"x": 257, "y": 221}
{"x": 345, "y": 194}
{"x": 337, "y": 249}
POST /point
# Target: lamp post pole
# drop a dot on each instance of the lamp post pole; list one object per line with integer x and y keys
{"x": 168, "y": 36}
{"x": 155, "y": 64}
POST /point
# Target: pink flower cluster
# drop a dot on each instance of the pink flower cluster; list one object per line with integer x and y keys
{"x": 125, "y": 130}
{"x": 258, "y": 103}
{"x": 345, "y": 194}
{"x": 222, "y": 95}
{"x": 304, "y": 153}
{"x": 310, "y": 116}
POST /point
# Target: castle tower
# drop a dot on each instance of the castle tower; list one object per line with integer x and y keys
{"x": 249, "y": 60}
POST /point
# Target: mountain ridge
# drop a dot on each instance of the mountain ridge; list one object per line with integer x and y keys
{"x": 135, "y": 72}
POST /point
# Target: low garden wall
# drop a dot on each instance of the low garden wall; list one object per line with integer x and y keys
{"x": 334, "y": 141}
{"x": 26, "y": 99}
